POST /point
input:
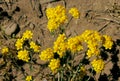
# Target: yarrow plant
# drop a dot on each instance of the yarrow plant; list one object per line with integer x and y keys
{"x": 65, "y": 47}
{"x": 4, "y": 50}
{"x": 74, "y": 12}
{"x": 56, "y": 17}
{"x": 23, "y": 52}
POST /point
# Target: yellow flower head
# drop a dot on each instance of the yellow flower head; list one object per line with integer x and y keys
{"x": 46, "y": 54}
{"x": 23, "y": 55}
{"x": 98, "y": 65}
{"x": 19, "y": 44}
{"x": 52, "y": 25}
{"x": 27, "y": 35}
{"x": 56, "y": 16}
{"x": 4, "y": 50}
{"x": 35, "y": 47}
{"x": 28, "y": 78}
{"x": 60, "y": 45}
{"x": 107, "y": 42}
{"x": 75, "y": 44}
{"x": 74, "y": 12}
{"x": 82, "y": 71}
{"x": 54, "y": 64}
{"x": 93, "y": 52}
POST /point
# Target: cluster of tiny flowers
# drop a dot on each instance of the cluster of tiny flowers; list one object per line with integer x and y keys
{"x": 35, "y": 47}
{"x": 28, "y": 78}
{"x": 26, "y": 36}
{"x": 75, "y": 44}
{"x": 60, "y": 45}
{"x": 98, "y": 65}
{"x": 54, "y": 64}
{"x": 107, "y": 42}
{"x": 74, "y": 12}
{"x": 23, "y": 55}
{"x": 19, "y": 44}
{"x": 47, "y": 54}
{"x": 4, "y": 50}
{"x": 56, "y": 16}
{"x": 93, "y": 39}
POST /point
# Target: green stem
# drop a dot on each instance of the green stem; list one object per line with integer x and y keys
{"x": 89, "y": 76}
{"x": 76, "y": 71}
{"x": 69, "y": 22}
{"x": 58, "y": 76}
{"x": 61, "y": 76}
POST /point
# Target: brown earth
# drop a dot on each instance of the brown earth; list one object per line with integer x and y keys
{"x": 100, "y": 15}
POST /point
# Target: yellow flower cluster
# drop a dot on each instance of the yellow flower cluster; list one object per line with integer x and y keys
{"x": 54, "y": 64}
{"x": 23, "y": 55}
{"x": 92, "y": 38}
{"x": 47, "y": 54}
{"x": 82, "y": 71}
{"x": 74, "y": 12}
{"x": 60, "y": 45}
{"x": 75, "y": 44}
{"x": 26, "y": 35}
{"x": 107, "y": 42}
{"x": 35, "y": 47}
{"x": 98, "y": 65}
{"x": 19, "y": 44}
{"x": 4, "y": 50}
{"x": 28, "y": 78}
{"x": 56, "y": 16}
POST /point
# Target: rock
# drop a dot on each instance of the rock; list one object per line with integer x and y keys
{"x": 37, "y": 8}
{"x": 31, "y": 25}
{"x": 46, "y": 1}
{"x": 12, "y": 29}
{"x": 44, "y": 79}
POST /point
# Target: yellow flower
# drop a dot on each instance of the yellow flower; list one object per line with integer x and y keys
{"x": 93, "y": 52}
{"x": 4, "y": 50}
{"x": 94, "y": 41}
{"x": 56, "y": 16}
{"x": 90, "y": 36}
{"x": 98, "y": 65}
{"x": 46, "y": 54}
{"x": 82, "y": 71}
{"x": 19, "y": 44}
{"x": 23, "y": 55}
{"x": 75, "y": 44}
{"x": 27, "y": 35}
{"x": 74, "y": 12}
{"x": 54, "y": 64}
{"x": 28, "y": 78}
{"x": 107, "y": 42}
{"x": 52, "y": 25}
{"x": 60, "y": 45}
{"x": 34, "y": 46}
